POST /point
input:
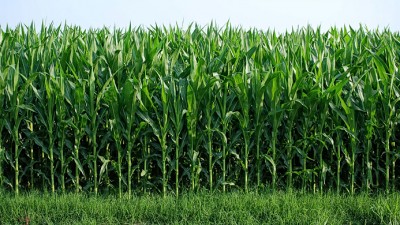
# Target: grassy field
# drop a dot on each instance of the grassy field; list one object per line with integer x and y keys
{"x": 221, "y": 112}
{"x": 201, "y": 208}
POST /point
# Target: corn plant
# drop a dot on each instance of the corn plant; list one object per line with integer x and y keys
{"x": 164, "y": 109}
{"x": 61, "y": 117}
{"x": 195, "y": 92}
{"x": 274, "y": 94}
{"x": 349, "y": 119}
{"x": 2, "y": 121}
{"x": 208, "y": 111}
{"x": 177, "y": 111}
{"x": 132, "y": 129}
{"x": 225, "y": 107}
{"x": 78, "y": 123}
{"x": 150, "y": 104}
{"x": 389, "y": 96}
{"x": 46, "y": 113}
{"x": 242, "y": 92}
{"x": 17, "y": 85}
{"x": 292, "y": 106}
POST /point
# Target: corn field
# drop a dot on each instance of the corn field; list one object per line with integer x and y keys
{"x": 166, "y": 110}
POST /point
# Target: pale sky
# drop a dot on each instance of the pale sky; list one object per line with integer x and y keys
{"x": 262, "y": 14}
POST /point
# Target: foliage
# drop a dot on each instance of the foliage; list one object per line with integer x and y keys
{"x": 168, "y": 109}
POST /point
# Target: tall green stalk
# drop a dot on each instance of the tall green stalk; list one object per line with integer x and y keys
{"x": 132, "y": 129}
{"x": 50, "y": 101}
{"x": 258, "y": 86}
{"x": 2, "y": 122}
{"x": 242, "y": 93}
{"x": 224, "y": 118}
{"x": 78, "y": 123}
{"x": 195, "y": 92}
{"x": 177, "y": 112}
{"x": 61, "y": 115}
{"x": 160, "y": 126}
{"x": 274, "y": 95}
{"x": 17, "y": 86}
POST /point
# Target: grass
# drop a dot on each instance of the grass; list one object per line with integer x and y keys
{"x": 165, "y": 110}
{"x": 201, "y": 208}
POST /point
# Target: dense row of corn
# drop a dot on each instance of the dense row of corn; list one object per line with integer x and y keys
{"x": 167, "y": 109}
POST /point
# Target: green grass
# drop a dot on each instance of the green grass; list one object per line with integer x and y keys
{"x": 218, "y": 111}
{"x": 201, "y": 208}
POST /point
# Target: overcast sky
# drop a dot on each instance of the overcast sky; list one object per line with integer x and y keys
{"x": 262, "y": 14}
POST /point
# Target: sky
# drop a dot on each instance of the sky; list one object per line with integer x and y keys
{"x": 280, "y": 15}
